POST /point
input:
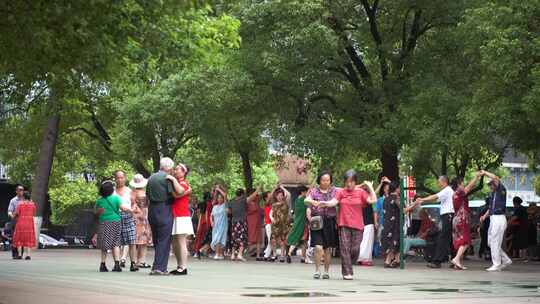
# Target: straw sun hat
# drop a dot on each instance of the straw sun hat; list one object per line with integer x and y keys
{"x": 138, "y": 181}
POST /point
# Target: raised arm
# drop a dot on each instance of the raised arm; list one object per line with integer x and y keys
{"x": 473, "y": 182}
{"x": 372, "y": 198}
{"x": 287, "y": 194}
{"x": 493, "y": 177}
{"x": 254, "y": 194}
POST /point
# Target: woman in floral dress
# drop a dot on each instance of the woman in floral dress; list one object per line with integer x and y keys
{"x": 139, "y": 205}
{"x": 279, "y": 216}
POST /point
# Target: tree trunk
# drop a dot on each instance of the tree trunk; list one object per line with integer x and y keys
{"x": 47, "y": 149}
{"x": 390, "y": 163}
{"x": 247, "y": 171}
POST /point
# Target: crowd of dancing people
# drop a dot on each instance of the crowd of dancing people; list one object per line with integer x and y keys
{"x": 354, "y": 222}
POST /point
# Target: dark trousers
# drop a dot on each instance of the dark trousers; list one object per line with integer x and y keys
{"x": 444, "y": 242}
{"x": 161, "y": 221}
{"x": 349, "y": 248}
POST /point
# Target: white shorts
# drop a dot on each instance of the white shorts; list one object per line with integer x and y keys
{"x": 182, "y": 225}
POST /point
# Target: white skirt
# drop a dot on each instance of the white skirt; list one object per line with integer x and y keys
{"x": 182, "y": 225}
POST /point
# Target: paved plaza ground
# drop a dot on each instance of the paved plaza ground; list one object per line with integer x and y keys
{"x": 71, "y": 276}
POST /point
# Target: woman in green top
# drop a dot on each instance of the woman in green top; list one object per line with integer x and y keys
{"x": 108, "y": 208}
{"x": 297, "y": 232}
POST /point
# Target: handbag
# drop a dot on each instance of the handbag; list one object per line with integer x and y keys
{"x": 316, "y": 223}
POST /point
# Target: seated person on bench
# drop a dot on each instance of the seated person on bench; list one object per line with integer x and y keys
{"x": 420, "y": 239}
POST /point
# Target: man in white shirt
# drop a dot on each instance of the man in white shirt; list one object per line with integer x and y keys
{"x": 13, "y": 203}
{"x": 444, "y": 241}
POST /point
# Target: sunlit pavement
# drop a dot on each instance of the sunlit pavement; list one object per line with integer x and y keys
{"x": 71, "y": 276}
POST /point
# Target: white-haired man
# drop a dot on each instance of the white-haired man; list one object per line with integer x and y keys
{"x": 159, "y": 190}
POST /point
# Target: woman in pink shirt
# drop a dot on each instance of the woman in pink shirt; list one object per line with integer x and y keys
{"x": 351, "y": 199}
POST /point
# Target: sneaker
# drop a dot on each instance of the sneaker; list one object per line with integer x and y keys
{"x": 177, "y": 271}
{"x": 308, "y": 261}
{"x": 326, "y": 276}
{"x": 494, "y": 268}
{"x": 303, "y": 261}
{"x": 282, "y": 260}
{"x": 434, "y": 265}
{"x": 196, "y": 255}
{"x": 348, "y": 277}
{"x": 316, "y": 275}
{"x": 504, "y": 265}
{"x": 28, "y": 258}
{"x": 123, "y": 263}
{"x": 289, "y": 259}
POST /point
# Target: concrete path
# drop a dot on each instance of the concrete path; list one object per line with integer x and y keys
{"x": 71, "y": 276}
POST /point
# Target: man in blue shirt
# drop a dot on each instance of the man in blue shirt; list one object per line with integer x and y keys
{"x": 497, "y": 226}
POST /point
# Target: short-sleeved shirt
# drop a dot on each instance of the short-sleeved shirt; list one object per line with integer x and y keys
{"x": 180, "y": 206}
{"x": 318, "y": 195}
{"x": 111, "y": 204}
{"x": 446, "y": 197}
{"x": 497, "y": 201}
{"x": 238, "y": 209}
{"x": 159, "y": 189}
{"x": 126, "y": 198}
{"x": 13, "y": 203}
{"x": 351, "y": 205}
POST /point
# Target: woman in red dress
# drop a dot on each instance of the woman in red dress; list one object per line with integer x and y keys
{"x": 25, "y": 235}
{"x": 254, "y": 222}
{"x": 461, "y": 229}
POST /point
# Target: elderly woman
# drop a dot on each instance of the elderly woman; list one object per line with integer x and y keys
{"x": 279, "y": 216}
{"x": 108, "y": 208}
{"x": 127, "y": 221}
{"x": 139, "y": 205}
{"x": 461, "y": 228}
{"x": 322, "y": 221}
{"x": 352, "y": 200}
{"x": 25, "y": 235}
{"x": 390, "y": 235}
{"x": 219, "y": 222}
{"x": 182, "y": 225}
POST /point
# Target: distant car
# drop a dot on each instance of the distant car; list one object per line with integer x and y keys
{"x": 47, "y": 241}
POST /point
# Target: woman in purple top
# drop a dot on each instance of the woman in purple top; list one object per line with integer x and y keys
{"x": 322, "y": 238}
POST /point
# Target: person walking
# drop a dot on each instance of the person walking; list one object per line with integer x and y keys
{"x": 444, "y": 241}
{"x": 25, "y": 234}
{"x": 108, "y": 208}
{"x": 159, "y": 190}
{"x": 182, "y": 225}
{"x": 461, "y": 228}
{"x": 139, "y": 205}
{"x": 12, "y": 207}
{"x": 352, "y": 200}
{"x": 128, "y": 222}
{"x": 322, "y": 222}
{"x": 219, "y": 222}
{"x": 299, "y": 225}
{"x": 497, "y": 222}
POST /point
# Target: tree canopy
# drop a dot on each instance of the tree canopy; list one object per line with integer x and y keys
{"x": 387, "y": 87}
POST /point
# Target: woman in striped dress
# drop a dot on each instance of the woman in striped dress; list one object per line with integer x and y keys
{"x": 108, "y": 208}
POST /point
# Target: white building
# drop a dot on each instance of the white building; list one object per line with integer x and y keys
{"x": 520, "y": 180}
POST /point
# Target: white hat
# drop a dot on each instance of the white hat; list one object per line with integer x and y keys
{"x": 138, "y": 181}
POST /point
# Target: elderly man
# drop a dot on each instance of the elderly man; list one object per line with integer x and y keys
{"x": 19, "y": 190}
{"x": 497, "y": 224}
{"x": 160, "y": 190}
{"x": 444, "y": 242}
